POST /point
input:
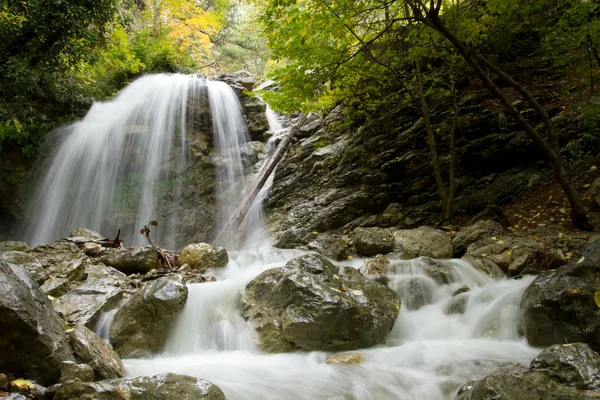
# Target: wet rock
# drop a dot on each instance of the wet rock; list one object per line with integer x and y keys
{"x": 311, "y": 304}
{"x": 373, "y": 241}
{"x": 330, "y": 246}
{"x": 31, "y": 337}
{"x": 438, "y": 271}
{"x": 561, "y": 307}
{"x": 375, "y": 266}
{"x": 423, "y": 241}
{"x": 56, "y": 257}
{"x": 457, "y": 305}
{"x": 475, "y": 232}
{"x": 27, "y": 261}
{"x": 491, "y": 213}
{"x": 202, "y": 256}
{"x": 16, "y": 396}
{"x": 460, "y": 290}
{"x": 166, "y": 386}
{"x": 139, "y": 327}
{"x": 556, "y": 258}
{"x": 251, "y": 153}
{"x": 55, "y": 287}
{"x": 415, "y": 291}
{"x": 12, "y": 245}
{"x": 86, "y": 234}
{"x": 92, "y": 249}
{"x": 139, "y": 260}
{"x": 345, "y": 359}
{"x": 486, "y": 266}
{"x": 71, "y": 371}
{"x": 90, "y": 349}
{"x": 560, "y": 372}
{"x": 102, "y": 291}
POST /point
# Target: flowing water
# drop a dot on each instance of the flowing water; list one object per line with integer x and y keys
{"x": 428, "y": 355}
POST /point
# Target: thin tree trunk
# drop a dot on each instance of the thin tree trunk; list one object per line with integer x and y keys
{"x": 550, "y": 148}
{"x": 451, "y": 177}
{"x": 431, "y": 141}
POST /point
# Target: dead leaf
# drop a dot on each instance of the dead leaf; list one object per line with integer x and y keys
{"x": 582, "y": 259}
{"x": 597, "y": 298}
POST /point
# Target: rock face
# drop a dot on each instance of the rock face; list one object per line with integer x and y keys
{"x": 202, "y": 256}
{"x": 473, "y": 233}
{"x": 31, "y": 335}
{"x": 28, "y": 262}
{"x": 560, "y": 372}
{"x": 139, "y": 327}
{"x": 13, "y": 246}
{"x": 311, "y": 304}
{"x": 158, "y": 387}
{"x": 139, "y": 260}
{"x": 423, "y": 241}
{"x": 90, "y": 349}
{"x": 562, "y": 306}
{"x": 373, "y": 241}
{"x": 101, "y": 291}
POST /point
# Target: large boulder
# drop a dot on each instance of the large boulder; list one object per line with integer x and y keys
{"x": 569, "y": 371}
{"x": 202, "y": 256}
{"x": 330, "y": 246}
{"x": 138, "y": 260}
{"x": 563, "y": 306}
{"x": 165, "y": 386}
{"x": 473, "y": 233}
{"x": 311, "y": 304}
{"x": 85, "y": 234}
{"x": 56, "y": 257}
{"x": 373, "y": 241}
{"x": 29, "y": 262}
{"x": 139, "y": 327}
{"x": 101, "y": 291}
{"x": 423, "y": 241}
{"x": 90, "y": 349}
{"x": 31, "y": 334}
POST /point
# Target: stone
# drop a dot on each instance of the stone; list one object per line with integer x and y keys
{"x": 27, "y": 261}
{"x": 486, "y": 266}
{"x": 71, "y": 371}
{"x": 32, "y": 343}
{"x": 93, "y": 249}
{"x": 57, "y": 256}
{"x": 373, "y": 241}
{"x": 491, "y": 213}
{"x": 55, "y": 287}
{"x": 375, "y": 266}
{"x": 165, "y": 386}
{"x": 473, "y": 233}
{"x": 101, "y": 291}
{"x": 415, "y": 292}
{"x": 345, "y": 359}
{"x": 423, "y": 241}
{"x": 311, "y": 304}
{"x": 139, "y": 327}
{"x": 559, "y": 372}
{"x": 139, "y": 260}
{"x": 202, "y": 256}
{"x": 595, "y": 190}
{"x": 330, "y": 246}
{"x": 90, "y": 349}
{"x": 12, "y": 245}
{"x": 560, "y": 306}
{"x": 457, "y": 304}
{"x": 86, "y": 234}
{"x": 436, "y": 270}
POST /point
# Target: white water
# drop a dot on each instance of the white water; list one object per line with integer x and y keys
{"x": 428, "y": 354}
{"x": 125, "y": 162}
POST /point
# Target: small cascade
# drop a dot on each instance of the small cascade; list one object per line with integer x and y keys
{"x": 128, "y": 160}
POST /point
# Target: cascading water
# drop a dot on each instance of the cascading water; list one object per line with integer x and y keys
{"x": 125, "y": 162}
{"x": 431, "y": 351}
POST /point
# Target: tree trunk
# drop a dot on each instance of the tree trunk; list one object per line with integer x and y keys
{"x": 431, "y": 142}
{"x": 550, "y": 148}
{"x": 451, "y": 181}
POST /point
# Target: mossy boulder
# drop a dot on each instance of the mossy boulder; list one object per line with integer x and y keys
{"x": 202, "y": 256}
{"x": 423, "y": 241}
{"x": 138, "y": 260}
{"x": 311, "y": 304}
{"x": 373, "y": 241}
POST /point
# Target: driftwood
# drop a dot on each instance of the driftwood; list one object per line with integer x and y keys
{"x": 253, "y": 190}
{"x": 113, "y": 243}
{"x": 168, "y": 261}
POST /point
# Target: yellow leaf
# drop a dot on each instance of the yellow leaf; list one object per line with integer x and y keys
{"x": 573, "y": 291}
{"x": 582, "y": 259}
{"x": 398, "y": 306}
{"x": 343, "y": 289}
{"x": 493, "y": 237}
{"x": 509, "y": 253}
{"x": 21, "y": 384}
{"x": 500, "y": 242}
{"x": 349, "y": 257}
{"x": 597, "y": 298}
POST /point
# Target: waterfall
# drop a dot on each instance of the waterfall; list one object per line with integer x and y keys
{"x": 128, "y": 160}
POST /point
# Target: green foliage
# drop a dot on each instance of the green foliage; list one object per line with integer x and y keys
{"x": 319, "y": 144}
{"x": 587, "y": 143}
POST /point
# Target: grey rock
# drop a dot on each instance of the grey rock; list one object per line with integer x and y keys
{"x": 139, "y": 327}
{"x": 373, "y": 241}
{"x": 29, "y": 262}
{"x": 375, "y": 266}
{"x": 559, "y": 306}
{"x": 474, "y": 233}
{"x": 423, "y": 241}
{"x": 166, "y": 386}
{"x": 311, "y": 304}
{"x": 202, "y": 256}
{"x": 330, "y": 246}
{"x": 415, "y": 291}
{"x": 457, "y": 304}
{"x": 55, "y": 287}
{"x": 71, "y": 371}
{"x": 139, "y": 260}
{"x": 595, "y": 190}
{"x": 86, "y": 234}
{"x": 90, "y": 349}
{"x": 56, "y": 257}
{"x": 574, "y": 364}
{"x": 29, "y": 327}
{"x": 436, "y": 270}
{"x": 102, "y": 291}
{"x": 12, "y": 245}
